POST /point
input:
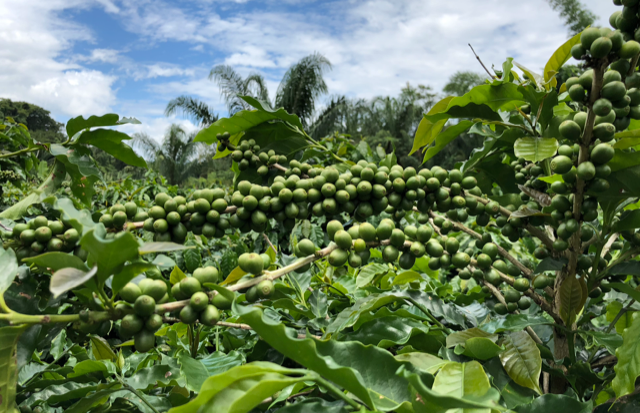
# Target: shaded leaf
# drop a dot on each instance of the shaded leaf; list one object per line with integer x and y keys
{"x": 101, "y": 349}
{"x": 155, "y": 247}
{"x": 521, "y": 360}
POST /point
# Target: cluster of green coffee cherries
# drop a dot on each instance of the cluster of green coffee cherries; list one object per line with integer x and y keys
{"x": 40, "y": 235}
{"x": 247, "y": 154}
{"x": 143, "y": 316}
{"x": 118, "y": 215}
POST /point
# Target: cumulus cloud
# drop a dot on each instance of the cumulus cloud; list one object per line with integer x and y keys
{"x": 102, "y": 55}
{"x": 33, "y": 41}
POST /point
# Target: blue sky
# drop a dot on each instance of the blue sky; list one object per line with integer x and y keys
{"x": 83, "y": 57}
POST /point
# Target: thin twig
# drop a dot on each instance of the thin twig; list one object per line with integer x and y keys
{"x": 478, "y": 57}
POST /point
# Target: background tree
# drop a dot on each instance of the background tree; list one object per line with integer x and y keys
{"x": 42, "y": 127}
{"x": 177, "y": 157}
{"x": 576, "y": 16}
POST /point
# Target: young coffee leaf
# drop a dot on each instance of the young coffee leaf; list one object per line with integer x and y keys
{"x": 521, "y": 360}
{"x": 69, "y": 278}
{"x": 628, "y": 366}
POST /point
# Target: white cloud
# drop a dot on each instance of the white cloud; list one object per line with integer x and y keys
{"x": 33, "y": 42}
{"x": 163, "y": 70}
{"x": 102, "y": 55}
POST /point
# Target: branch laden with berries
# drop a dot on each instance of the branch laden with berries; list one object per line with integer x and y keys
{"x": 330, "y": 278}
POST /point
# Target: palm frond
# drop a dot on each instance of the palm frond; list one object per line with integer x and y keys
{"x": 231, "y": 86}
{"x": 301, "y": 85}
{"x": 193, "y": 109}
{"x": 145, "y": 144}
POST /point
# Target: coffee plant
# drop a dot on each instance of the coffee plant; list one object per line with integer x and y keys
{"x": 329, "y": 278}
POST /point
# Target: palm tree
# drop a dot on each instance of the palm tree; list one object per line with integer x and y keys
{"x": 297, "y": 93}
{"x": 193, "y": 109}
{"x": 232, "y": 86}
{"x": 177, "y": 157}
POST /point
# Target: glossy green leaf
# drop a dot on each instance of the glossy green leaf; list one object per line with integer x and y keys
{"x": 433, "y": 402}
{"x": 233, "y": 379}
{"x": 75, "y": 125}
{"x": 555, "y": 403}
{"x": 461, "y": 337}
{"x": 434, "y": 305}
{"x": 159, "y": 374}
{"x": 8, "y": 268}
{"x": 629, "y": 220}
{"x": 613, "y": 309}
{"x": 219, "y": 362}
{"x": 280, "y": 112}
{"x": 369, "y": 272}
{"x": 481, "y": 348}
{"x": 176, "y": 275}
{"x": 55, "y": 394}
{"x": 535, "y": 149}
{"x": 156, "y": 247}
{"x": 558, "y": 59}
{"x": 611, "y": 341}
{"x": 9, "y": 367}
{"x": 85, "y": 404}
{"x": 315, "y": 405}
{"x": 366, "y": 371}
{"x": 386, "y": 332}
{"x": 128, "y": 273}
{"x": 446, "y": 137}
{"x": 195, "y": 372}
{"x": 423, "y": 361}
{"x": 234, "y": 276}
{"x": 56, "y": 261}
{"x": 109, "y": 254}
{"x": 571, "y": 295}
{"x": 428, "y": 130}
{"x": 110, "y": 141}
{"x": 462, "y": 380}
{"x": 521, "y": 360}
{"x": 67, "y": 279}
{"x": 101, "y": 349}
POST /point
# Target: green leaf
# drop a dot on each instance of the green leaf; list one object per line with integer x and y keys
{"x": 82, "y": 169}
{"x": 315, "y": 405}
{"x": 571, "y": 295}
{"x": 627, "y": 289}
{"x": 623, "y": 160}
{"x": 75, "y": 125}
{"x": 521, "y": 360}
{"x": 366, "y": 371}
{"x": 57, "y": 261}
{"x": 444, "y": 138}
{"x": 629, "y": 220}
{"x": 9, "y": 366}
{"x": 280, "y": 113}
{"x": 234, "y": 276}
{"x": 219, "y": 362}
{"x": 386, "y": 332}
{"x": 8, "y": 268}
{"x": 231, "y": 387}
{"x": 80, "y": 220}
{"x": 462, "y": 379}
{"x": 550, "y": 264}
{"x": 481, "y": 348}
{"x": 433, "y": 402}
{"x": 428, "y": 130}
{"x": 558, "y": 59}
{"x": 128, "y": 273}
{"x": 613, "y": 309}
{"x": 85, "y": 404}
{"x": 552, "y": 403}
{"x": 535, "y": 149}
{"x": 609, "y": 340}
{"x": 152, "y": 376}
{"x": 101, "y": 349}
{"x": 195, "y": 372}
{"x": 369, "y": 272}
{"x": 628, "y": 366}
{"x": 56, "y": 394}
{"x": 461, "y": 337}
{"x": 156, "y": 247}
{"x": 176, "y": 275}
{"x": 69, "y": 278}
{"x": 110, "y": 141}
{"x": 244, "y": 120}
{"x": 109, "y": 254}
{"x": 423, "y": 361}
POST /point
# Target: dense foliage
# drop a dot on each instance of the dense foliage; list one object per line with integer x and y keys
{"x": 328, "y": 277}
